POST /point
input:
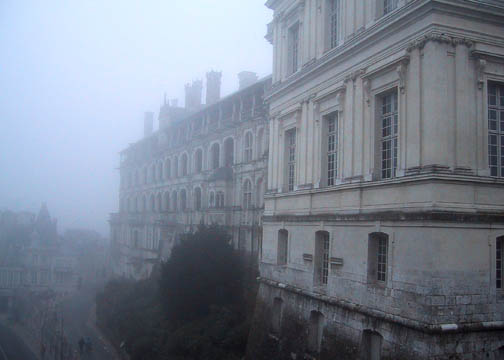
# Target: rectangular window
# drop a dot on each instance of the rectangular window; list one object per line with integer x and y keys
{"x": 382, "y": 259}
{"x": 291, "y": 158}
{"x": 389, "y": 6}
{"x": 498, "y": 262}
{"x": 325, "y": 261}
{"x": 496, "y": 129}
{"x": 333, "y": 22}
{"x": 332, "y": 149}
{"x": 377, "y": 258}
{"x": 389, "y": 129}
{"x": 293, "y": 48}
{"x": 321, "y": 257}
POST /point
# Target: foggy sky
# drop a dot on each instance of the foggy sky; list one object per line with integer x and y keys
{"x": 76, "y": 77}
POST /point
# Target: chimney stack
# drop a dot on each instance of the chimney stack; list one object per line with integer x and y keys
{"x": 213, "y": 87}
{"x": 193, "y": 94}
{"x": 148, "y": 124}
{"x": 247, "y": 78}
{"x": 174, "y": 103}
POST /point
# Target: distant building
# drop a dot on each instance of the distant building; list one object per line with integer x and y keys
{"x": 384, "y": 214}
{"x": 205, "y": 165}
{"x": 32, "y": 257}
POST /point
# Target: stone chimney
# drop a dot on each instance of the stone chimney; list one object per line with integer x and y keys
{"x": 213, "y": 87}
{"x": 247, "y": 78}
{"x": 193, "y": 94}
{"x": 148, "y": 124}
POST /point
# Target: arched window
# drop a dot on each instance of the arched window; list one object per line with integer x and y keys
{"x": 144, "y": 203}
{"x": 229, "y": 152}
{"x": 183, "y": 200}
{"x": 247, "y": 147}
{"x": 259, "y": 193}
{"x": 175, "y": 167}
{"x": 174, "y": 201}
{"x": 160, "y": 172}
{"x": 197, "y": 198}
{"x": 136, "y": 242}
{"x": 211, "y": 200}
{"x": 152, "y": 204}
{"x": 168, "y": 171}
{"x": 167, "y": 201}
{"x": 315, "y": 332}
{"x": 136, "y": 205}
{"x": 247, "y": 194}
{"x": 215, "y": 151}
{"x": 159, "y": 203}
{"x": 129, "y": 205}
{"x": 184, "y": 165}
{"x": 282, "y": 246}
{"x": 260, "y": 139}
{"x": 137, "y": 178}
{"x": 130, "y": 182}
{"x": 321, "y": 261}
{"x": 153, "y": 177}
{"x": 377, "y": 258}
{"x": 145, "y": 175}
{"x": 371, "y": 344}
{"x": 198, "y": 161}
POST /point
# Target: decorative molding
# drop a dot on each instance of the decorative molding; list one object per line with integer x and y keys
{"x": 480, "y": 67}
{"x": 402, "y": 69}
{"x": 366, "y": 86}
{"x": 440, "y": 38}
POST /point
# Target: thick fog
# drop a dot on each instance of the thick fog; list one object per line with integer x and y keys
{"x": 77, "y": 76}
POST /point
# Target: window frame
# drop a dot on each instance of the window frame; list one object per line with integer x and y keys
{"x": 499, "y": 263}
{"x": 282, "y": 247}
{"x": 389, "y": 6}
{"x": 378, "y": 258}
{"x": 293, "y": 47}
{"x": 498, "y": 131}
{"x": 333, "y": 21}
{"x": 391, "y": 139}
{"x": 247, "y": 194}
{"x": 321, "y": 259}
{"x": 290, "y": 145}
{"x": 248, "y": 147}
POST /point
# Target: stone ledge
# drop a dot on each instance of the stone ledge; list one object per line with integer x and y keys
{"x": 427, "y": 328}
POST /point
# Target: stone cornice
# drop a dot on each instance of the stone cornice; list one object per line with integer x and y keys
{"x": 413, "y": 9}
{"x": 439, "y": 38}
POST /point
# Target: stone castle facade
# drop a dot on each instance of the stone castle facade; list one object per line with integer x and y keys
{"x": 205, "y": 165}
{"x": 384, "y": 214}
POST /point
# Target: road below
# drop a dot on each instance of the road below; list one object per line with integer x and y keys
{"x": 76, "y": 311}
{"x": 12, "y": 347}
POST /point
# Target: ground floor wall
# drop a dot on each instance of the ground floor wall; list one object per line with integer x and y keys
{"x": 290, "y": 325}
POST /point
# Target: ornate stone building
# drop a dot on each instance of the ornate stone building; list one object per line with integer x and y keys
{"x": 384, "y": 214}
{"x": 205, "y": 165}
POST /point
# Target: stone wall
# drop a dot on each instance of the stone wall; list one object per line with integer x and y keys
{"x": 345, "y": 333}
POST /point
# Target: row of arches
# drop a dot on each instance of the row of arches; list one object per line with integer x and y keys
{"x": 184, "y": 164}
{"x": 179, "y": 199}
{"x": 371, "y": 340}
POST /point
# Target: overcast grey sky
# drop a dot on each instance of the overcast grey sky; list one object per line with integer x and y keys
{"x": 77, "y": 75}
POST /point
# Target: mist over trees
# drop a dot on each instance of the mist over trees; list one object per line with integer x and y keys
{"x": 193, "y": 307}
